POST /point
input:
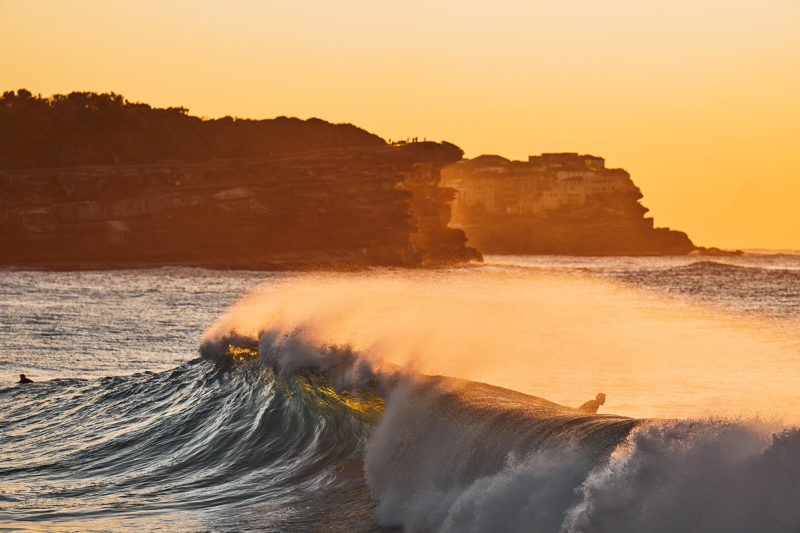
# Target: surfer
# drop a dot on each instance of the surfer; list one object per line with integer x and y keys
{"x": 23, "y": 379}
{"x": 593, "y": 405}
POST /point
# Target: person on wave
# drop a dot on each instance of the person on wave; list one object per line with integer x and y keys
{"x": 23, "y": 379}
{"x": 593, "y": 405}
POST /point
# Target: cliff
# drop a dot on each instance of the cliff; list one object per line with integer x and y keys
{"x": 346, "y": 207}
{"x": 94, "y": 181}
{"x": 555, "y": 204}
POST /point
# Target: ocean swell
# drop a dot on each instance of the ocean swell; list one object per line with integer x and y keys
{"x": 454, "y": 455}
{"x": 332, "y": 441}
{"x": 184, "y": 449}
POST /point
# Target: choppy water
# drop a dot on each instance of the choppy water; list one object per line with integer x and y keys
{"x": 759, "y": 283}
{"x": 311, "y": 410}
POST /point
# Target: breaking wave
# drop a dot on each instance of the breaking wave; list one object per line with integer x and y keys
{"x": 301, "y": 415}
{"x": 318, "y": 435}
{"x": 192, "y": 446}
{"x": 454, "y": 455}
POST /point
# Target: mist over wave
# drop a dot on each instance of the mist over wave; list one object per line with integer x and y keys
{"x": 386, "y": 400}
{"x": 552, "y": 335}
{"x": 454, "y": 455}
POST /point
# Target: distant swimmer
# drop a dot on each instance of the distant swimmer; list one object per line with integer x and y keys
{"x": 593, "y": 405}
{"x": 23, "y": 379}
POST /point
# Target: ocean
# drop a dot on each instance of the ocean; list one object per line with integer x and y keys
{"x": 179, "y": 399}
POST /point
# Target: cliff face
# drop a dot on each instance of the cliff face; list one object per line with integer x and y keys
{"x": 602, "y": 227}
{"x": 338, "y": 208}
{"x": 555, "y": 204}
{"x": 95, "y": 181}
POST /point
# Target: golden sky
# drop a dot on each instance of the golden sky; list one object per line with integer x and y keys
{"x": 698, "y": 99}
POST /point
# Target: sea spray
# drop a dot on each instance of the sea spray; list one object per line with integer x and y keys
{"x": 238, "y": 446}
{"x": 695, "y": 475}
{"x": 456, "y": 455}
{"x": 543, "y": 333}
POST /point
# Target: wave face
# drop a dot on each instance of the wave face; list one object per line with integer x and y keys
{"x": 188, "y": 449}
{"x": 334, "y": 444}
{"x": 454, "y": 455}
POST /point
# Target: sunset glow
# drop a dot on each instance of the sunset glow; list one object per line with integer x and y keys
{"x": 698, "y": 101}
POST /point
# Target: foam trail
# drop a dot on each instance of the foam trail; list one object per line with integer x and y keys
{"x": 715, "y": 476}
{"x": 468, "y": 473}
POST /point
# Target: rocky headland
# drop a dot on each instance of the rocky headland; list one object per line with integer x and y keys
{"x": 94, "y": 181}
{"x": 340, "y": 208}
{"x": 292, "y": 195}
{"x": 560, "y": 203}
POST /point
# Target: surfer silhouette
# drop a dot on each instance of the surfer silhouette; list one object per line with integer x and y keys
{"x": 593, "y": 405}
{"x": 23, "y": 379}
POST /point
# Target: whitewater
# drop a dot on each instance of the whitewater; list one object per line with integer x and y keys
{"x": 405, "y": 400}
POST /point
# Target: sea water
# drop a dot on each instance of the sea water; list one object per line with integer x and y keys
{"x": 424, "y": 400}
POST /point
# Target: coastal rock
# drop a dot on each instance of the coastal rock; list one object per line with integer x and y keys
{"x": 337, "y": 208}
{"x": 562, "y": 203}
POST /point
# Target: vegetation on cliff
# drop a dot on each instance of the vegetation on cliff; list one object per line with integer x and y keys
{"x": 85, "y": 128}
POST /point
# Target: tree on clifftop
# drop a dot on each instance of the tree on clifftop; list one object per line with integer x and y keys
{"x": 85, "y": 128}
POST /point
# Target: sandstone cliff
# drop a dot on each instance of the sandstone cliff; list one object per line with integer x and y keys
{"x": 94, "y": 181}
{"x": 562, "y": 203}
{"x": 335, "y": 208}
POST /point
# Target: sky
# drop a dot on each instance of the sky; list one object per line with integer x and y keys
{"x": 699, "y": 100}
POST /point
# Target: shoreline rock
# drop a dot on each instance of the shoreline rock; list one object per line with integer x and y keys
{"x": 345, "y": 208}
{"x": 561, "y": 203}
